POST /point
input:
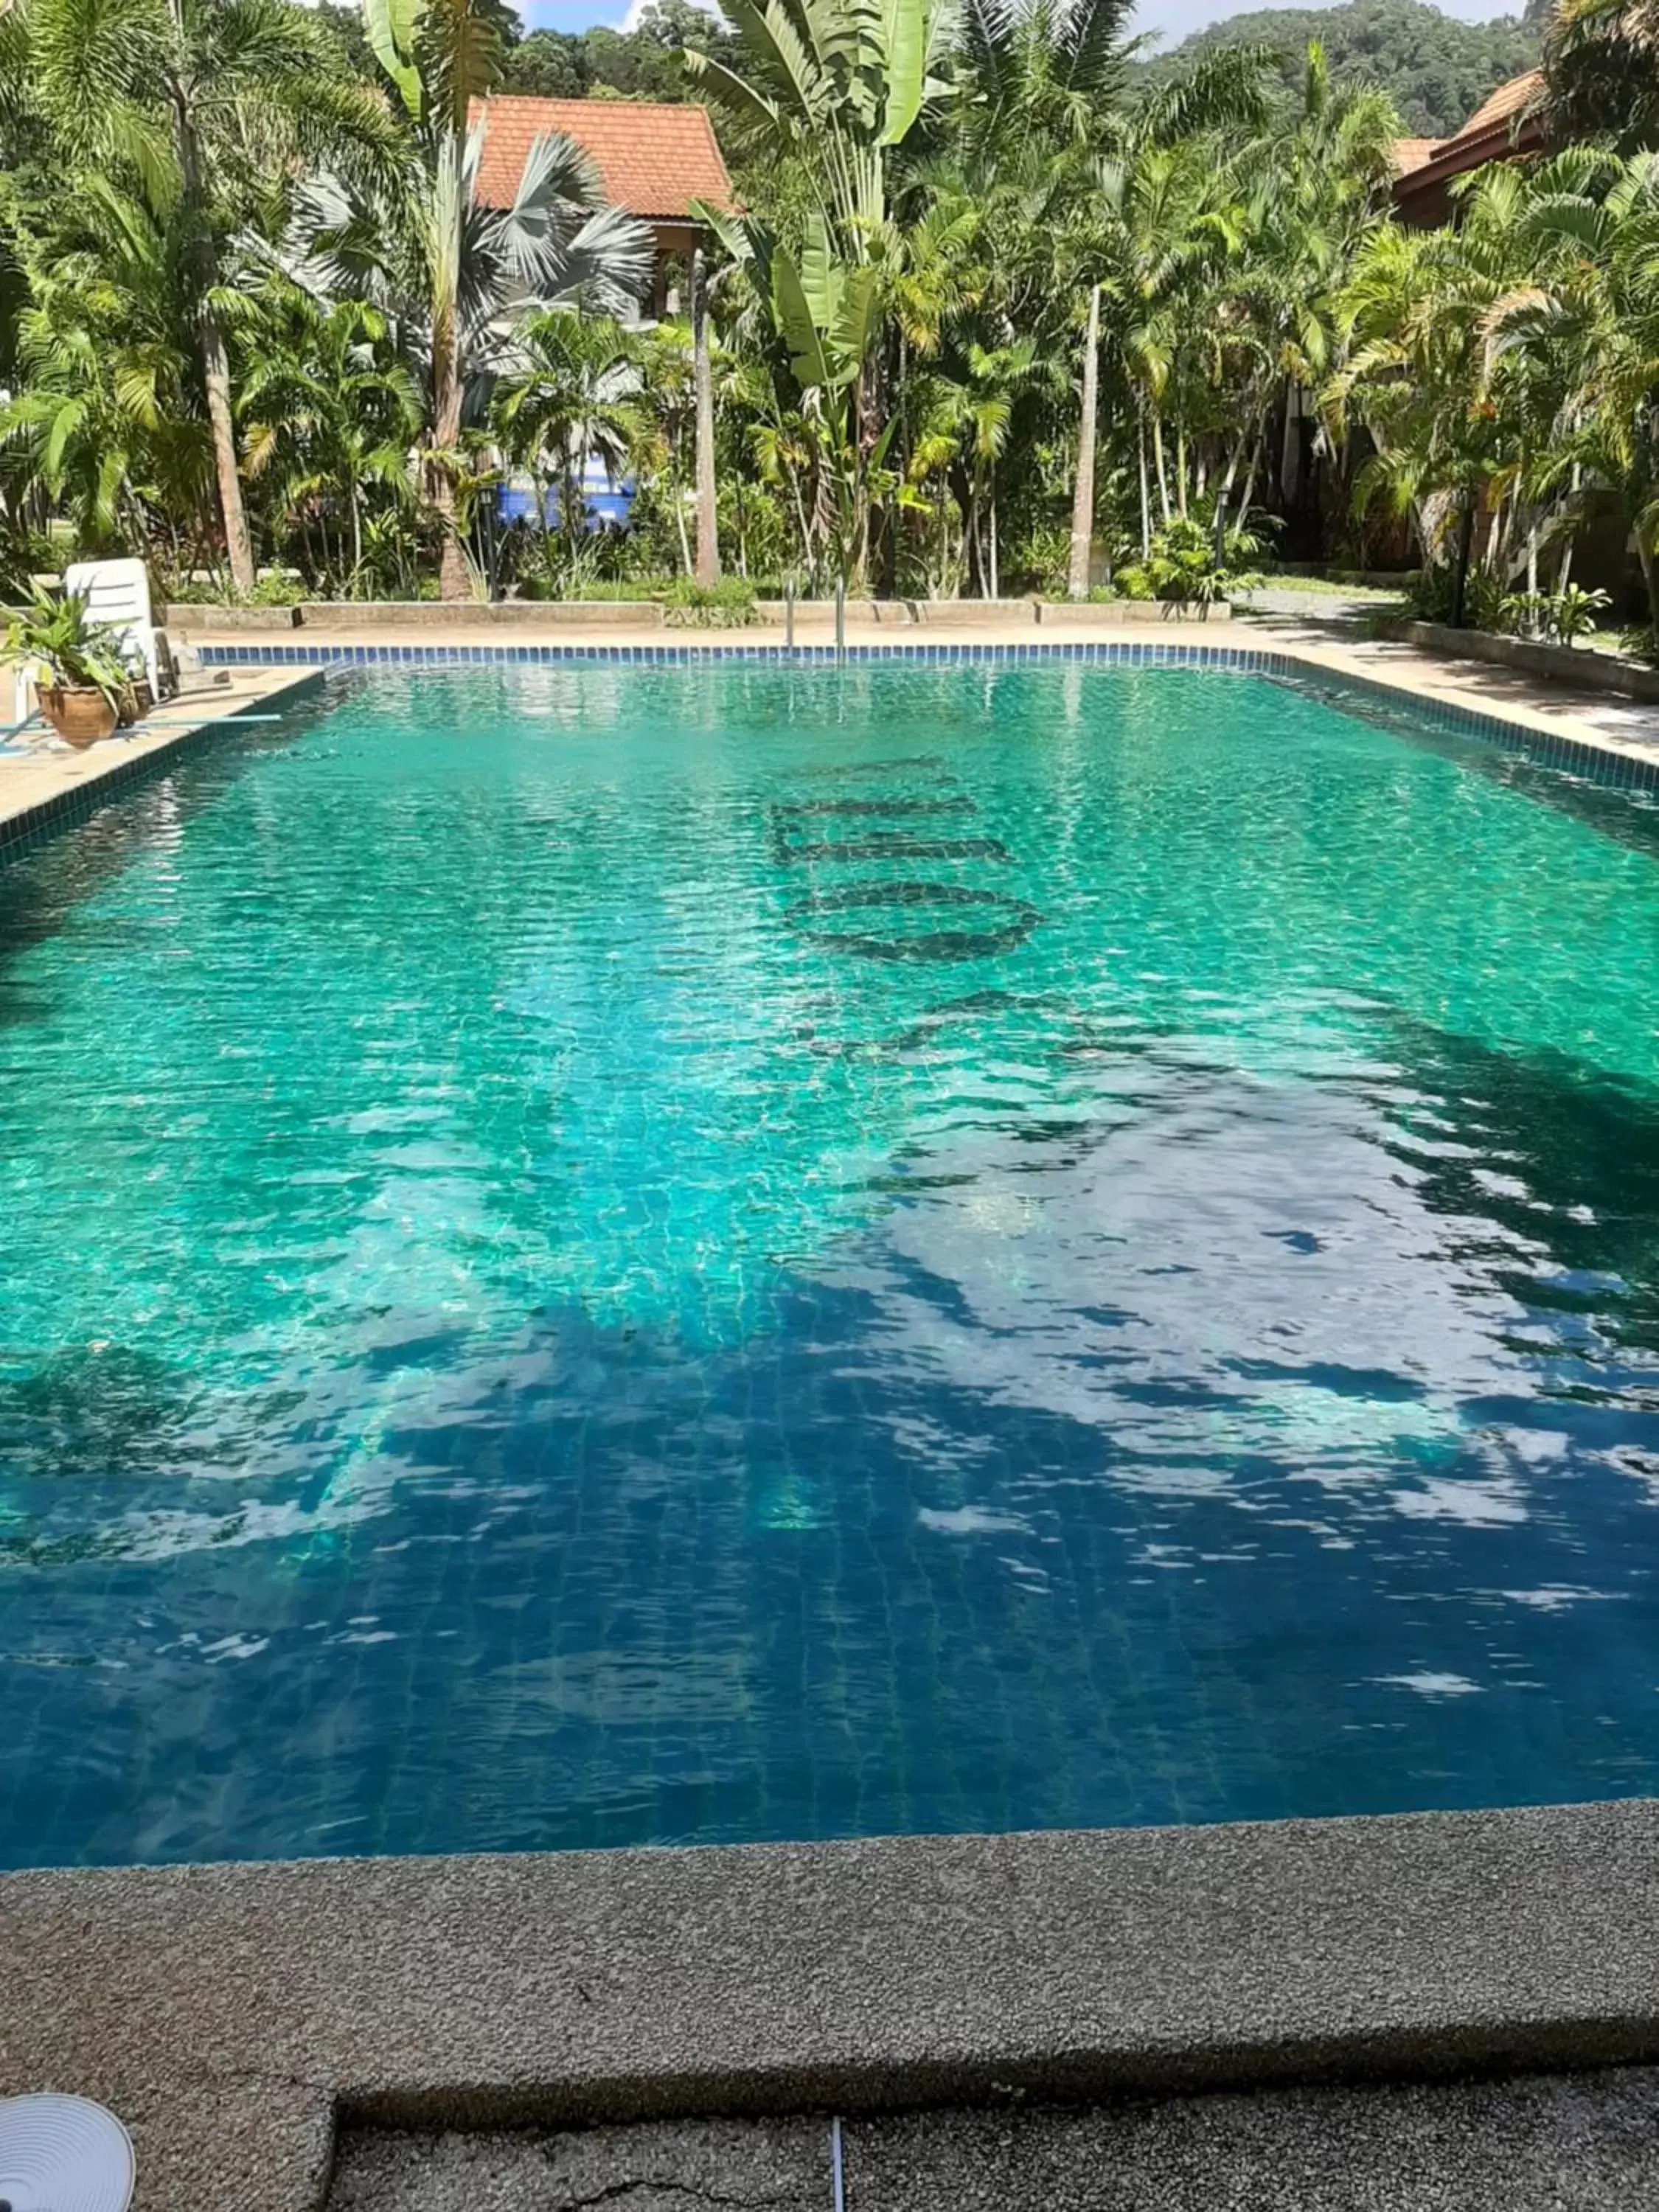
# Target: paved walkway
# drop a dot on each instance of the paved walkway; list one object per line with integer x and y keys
{"x": 1627, "y": 727}
{"x": 1569, "y": 2143}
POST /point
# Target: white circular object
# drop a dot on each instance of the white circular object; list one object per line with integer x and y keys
{"x": 63, "y": 2154}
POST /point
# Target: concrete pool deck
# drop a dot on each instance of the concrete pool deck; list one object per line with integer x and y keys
{"x": 237, "y": 2015}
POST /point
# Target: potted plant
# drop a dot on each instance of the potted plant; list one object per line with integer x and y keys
{"x": 92, "y": 685}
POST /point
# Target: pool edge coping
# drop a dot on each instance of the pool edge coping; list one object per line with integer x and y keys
{"x": 234, "y": 2014}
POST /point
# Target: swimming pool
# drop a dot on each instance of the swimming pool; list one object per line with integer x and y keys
{"x": 607, "y": 1255}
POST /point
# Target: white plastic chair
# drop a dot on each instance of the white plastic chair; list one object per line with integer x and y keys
{"x": 116, "y": 593}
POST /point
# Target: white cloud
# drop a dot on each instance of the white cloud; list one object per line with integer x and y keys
{"x": 637, "y": 8}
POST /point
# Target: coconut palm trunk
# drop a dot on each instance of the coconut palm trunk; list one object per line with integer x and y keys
{"x": 708, "y": 551}
{"x": 448, "y": 208}
{"x": 1465, "y": 549}
{"x": 215, "y": 376}
{"x": 1082, "y": 498}
{"x": 454, "y": 578}
{"x": 1649, "y": 576}
{"x": 216, "y": 362}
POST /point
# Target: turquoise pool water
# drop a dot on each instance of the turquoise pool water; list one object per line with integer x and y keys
{"x": 599, "y": 1256}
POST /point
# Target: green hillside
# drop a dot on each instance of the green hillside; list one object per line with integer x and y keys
{"x": 1438, "y": 69}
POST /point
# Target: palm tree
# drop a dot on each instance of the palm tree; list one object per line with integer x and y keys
{"x": 327, "y": 412}
{"x": 103, "y": 420}
{"x": 1602, "y": 72}
{"x": 1315, "y": 191}
{"x": 977, "y": 415}
{"x": 1045, "y": 138}
{"x": 830, "y": 87}
{"x": 1047, "y": 84}
{"x": 183, "y": 94}
{"x": 1425, "y": 314}
{"x": 569, "y": 396}
{"x": 830, "y": 90}
{"x": 1593, "y": 225}
{"x": 456, "y": 273}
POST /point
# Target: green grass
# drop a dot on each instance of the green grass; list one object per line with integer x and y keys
{"x": 1332, "y": 587}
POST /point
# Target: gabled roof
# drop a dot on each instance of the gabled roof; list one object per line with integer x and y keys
{"x": 1409, "y": 153}
{"x": 1498, "y": 106}
{"x": 654, "y": 159}
{"x": 1499, "y": 129}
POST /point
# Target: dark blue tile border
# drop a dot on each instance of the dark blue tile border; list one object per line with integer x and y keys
{"x": 1595, "y": 763}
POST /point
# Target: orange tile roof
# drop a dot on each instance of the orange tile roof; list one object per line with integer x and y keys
{"x": 1498, "y": 106}
{"x": 654, "y": 159}
{"x": 1409, "y": 153}
{"x": 1498, "y": 131}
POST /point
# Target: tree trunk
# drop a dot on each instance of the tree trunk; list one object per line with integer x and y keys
{"x": 216, "y": 362}
{"x": 801, "y": 522}
{"x": 1465, "y": 547}
{"x": 454, "y": 582}
{"x": 1249, "y": 476}
{"x": 1650, "y": 577}
{"x": 708, "y": 552}
{"x": 1162, "y": 472}
{"x": 574, "y": 504}
{"x": 215, "y": 375}
{"x": 1289, "y": 452}
{"x": 1563, "y": 573}
{"x": 1083, "y": 496}
{"x": 1495, "y": 539}
{"x": 1145, "y": 497}
{"x": 550, "y": 565}
{"x": 455, "y": 579}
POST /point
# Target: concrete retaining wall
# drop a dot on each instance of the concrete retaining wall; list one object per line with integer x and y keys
{"x": 184, "y": 617}
{"x": 424, "y": 615}
{"x": 1560, "y": 664}
{"x": 814, "y": 617}
{"x": 1081, "y": 615}
{"x": 820, "y": 614}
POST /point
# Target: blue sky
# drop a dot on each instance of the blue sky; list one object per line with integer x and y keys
{"x": 1174, "y": 18}
{"x": 571, "y": 15}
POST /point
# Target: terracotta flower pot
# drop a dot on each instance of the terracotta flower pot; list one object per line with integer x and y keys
{"x": 80, "y": 717}
{"x": 135, "y": 701}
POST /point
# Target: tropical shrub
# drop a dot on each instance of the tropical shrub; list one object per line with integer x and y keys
{"x": 729, "y": 605}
